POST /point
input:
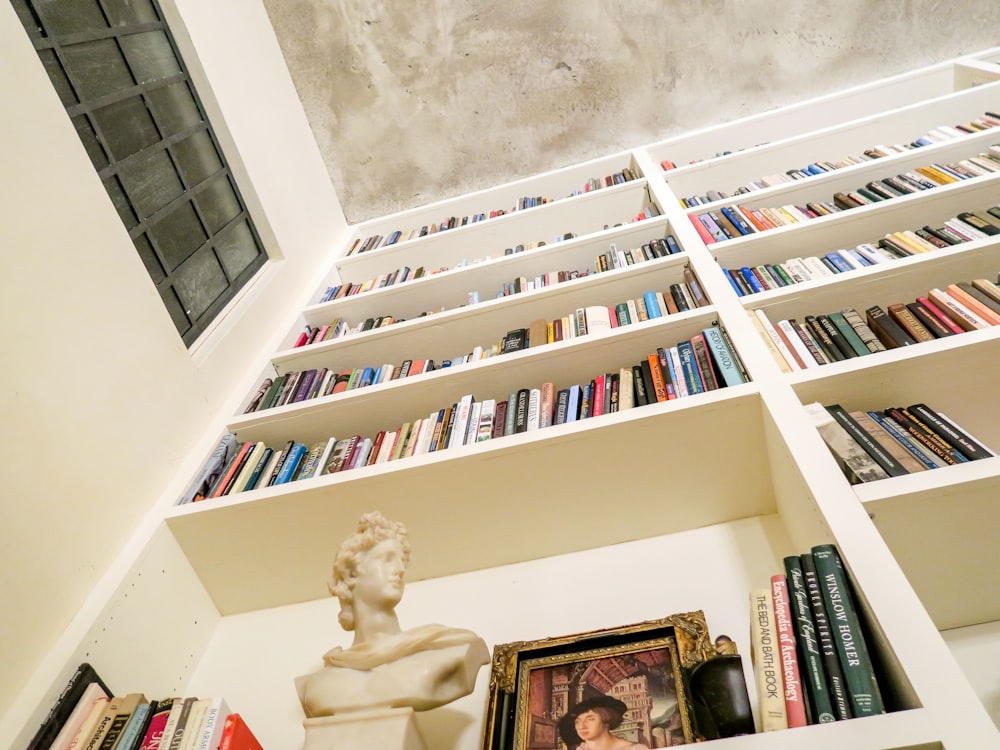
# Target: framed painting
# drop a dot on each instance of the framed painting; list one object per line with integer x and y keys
{"x": 624, "y": 688}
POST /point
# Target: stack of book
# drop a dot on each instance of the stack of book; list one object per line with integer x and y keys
{"x": 89, "y": 715}
{"x": 829, "y": 337}
{"x": 810, "y": 653}
{"x": 967, "y": 226}
{"x": 871, "y": 445}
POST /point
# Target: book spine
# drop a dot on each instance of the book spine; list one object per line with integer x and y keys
{"x": 824, "y": 640}
{"x": 795, "y": 706}
{"x": 766, "y": 660}
{"x": 812, "y": 672}
{"x": 862, "y": 684}
{"x": 884, "y": 459}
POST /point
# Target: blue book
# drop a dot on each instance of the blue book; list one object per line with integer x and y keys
{"x": 859, "y": 257}
{"x": 729, "y": 277}
{"x": 839, "y": 263}
{"x": 672, "y": 245}
{"x": 751, "y": 279}
{"x": 737, "y": 218}
{"x": 689, "y": 367}
{"x": 291, "y": 464}
{"x": 723, "y": 357}
{"x": 652, "y": 306}
{"x": 713, "y": 229}
{"x": 573, "y": 403}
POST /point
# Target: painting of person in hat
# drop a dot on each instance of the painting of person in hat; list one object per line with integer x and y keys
{"x": 588, "y": 725}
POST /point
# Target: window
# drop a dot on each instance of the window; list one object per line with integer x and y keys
{"x": 117, "y": 71}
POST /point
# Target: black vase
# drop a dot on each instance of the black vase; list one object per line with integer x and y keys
{"x": 720, "y": 698}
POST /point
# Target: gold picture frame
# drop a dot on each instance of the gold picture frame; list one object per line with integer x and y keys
{"x": 637, "y": 674}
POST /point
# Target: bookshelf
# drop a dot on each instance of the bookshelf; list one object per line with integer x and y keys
{"x": 682, "y": 505}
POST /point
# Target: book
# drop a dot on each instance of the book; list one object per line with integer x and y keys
{"x": 236, "y": 735}
{"x": 93, "y": 693}
{"x": 884, "y": 458}
{"x": 795, "y": 704}
{"x": 811, "y": 669}
{"x": 177, "y": 723}
{"x": 925, "y": 436}
{"x": 210, "y": 735}
{"x": 120, "y": 710}
{"x": 955, "y": 437}
{"x": 825, "y": 640}
{"x": 71, "y": 701}
{"x": 889, "y": 443}
{"x": 159, "y": 715}
{"x": 862, "y": 684}
{"x": 888, "y": 331}
{"x": 88, "y": 726}
{"x": 858, "y": 466}
{"x": 766, "y": 661}
{"x": 723, "y": 357}
{"x": 131, "y": 736}
{"x": 598, "y": 319}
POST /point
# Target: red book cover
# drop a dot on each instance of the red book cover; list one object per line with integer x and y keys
{"x": 795, "y": 705}
{"x": 597, "y": 399}
{"x": 236, "y": 735}
{"x": 707, "y": 238}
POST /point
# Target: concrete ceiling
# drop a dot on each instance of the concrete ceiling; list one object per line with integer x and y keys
{"x": 412, "y": 102}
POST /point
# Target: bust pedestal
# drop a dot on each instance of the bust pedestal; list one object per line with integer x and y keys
{"x": 382, "y": 728}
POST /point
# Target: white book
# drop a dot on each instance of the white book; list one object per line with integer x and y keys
{"x": 633, "y": 311}
{"x": 461, "y": 424}
{"x": 486, "y": 416}
{"x": 680, "y": 384}
{"x": 194, "y": 724}
{"x": 795, "y": 268}
{"x": 388, "y": 443}
{"x": 534, "y": 410}
{"x": 816, "y": 267}
{"x": 626, "y": 397}
{"x": 598, "y": 320}
{"x": 797, "y": 344}
{"x": 776, "y": 339}
{"x": 872, "y": 253}
{"x": 472, "y": 426}
{"x": 84, "y": 706}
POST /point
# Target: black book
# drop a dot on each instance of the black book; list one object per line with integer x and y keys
{"x": 836, "y": 336}
{"x": 521, "y": 411}
{"x": 84, "y": 675}
{"x": 978, "y": 222}
{"x": 899, "y": 185}
{"x": 925, "y": 233}
{"x": 824, "y": 637}
{"x": 647, "y": 381}
{"x": 955, "y": 437}
{"x": 930, "y": 322}
{"x": 639, "y": 394}
{"x": 514, "y": 341}
{"x": 888, "y": 331}
{"x": 823, "y": 340}
{"x": 872, "y": 447}
{"x": 678, "y": 295}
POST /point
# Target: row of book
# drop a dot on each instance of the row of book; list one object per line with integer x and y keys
{"x": 811, "y": 658}
{"x": 704, "y": 362}
{"x": 373, "y": 242}
{"x": 877, "y": 444}
{"x": 303, "y": 385}
{"x": 833, "y": 337}
{"x": 612, "y": 258}
{"x": 405, "y": 273}
{"x": 656, "y": 248}
{"x": 940, "y": 134}
{"x": 89, "y": 716}
{"x": 739, "y": 220}
{"x": 967, "y": 226}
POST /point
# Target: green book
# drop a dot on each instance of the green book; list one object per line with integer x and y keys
{"x": 838, "y": 320}
{"x": 859, "y": 675}
{"x": 811, "y": 667}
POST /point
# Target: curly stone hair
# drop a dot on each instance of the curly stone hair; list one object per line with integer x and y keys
{"x": 373, "y": 528}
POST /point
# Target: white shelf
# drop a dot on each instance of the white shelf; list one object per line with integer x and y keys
{"x": 682, "y": 505}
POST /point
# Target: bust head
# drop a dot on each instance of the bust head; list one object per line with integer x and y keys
{"x": 369, "y": 566}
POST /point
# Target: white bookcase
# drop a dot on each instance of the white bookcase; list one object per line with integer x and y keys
{"x": 672, "y": 507}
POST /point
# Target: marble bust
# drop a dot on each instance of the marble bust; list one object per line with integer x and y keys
{"x": 386, "y": 667}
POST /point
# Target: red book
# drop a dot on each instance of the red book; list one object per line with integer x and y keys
{"x": 938, "y": 313}
{"x": 236, "y": 735}
{"x": 301, "y": 340}
{"x": 706, "y": 237}
{"x": 597, "y": 397}
{"x": 235, "y": 465}
{"x": 795, "y": 706}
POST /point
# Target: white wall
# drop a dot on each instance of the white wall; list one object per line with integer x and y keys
{"x": 105, "y": 413}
